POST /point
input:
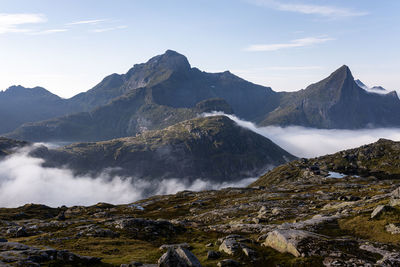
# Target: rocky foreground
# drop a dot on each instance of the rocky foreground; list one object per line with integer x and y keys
{"x": 303, "y": 215}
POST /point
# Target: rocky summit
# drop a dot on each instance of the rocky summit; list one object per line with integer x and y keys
{"x": 338, "y": 210}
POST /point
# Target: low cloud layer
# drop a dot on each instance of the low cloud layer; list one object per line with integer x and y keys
{"x": 23, "y": 180}
{"x": 310, "y": 142}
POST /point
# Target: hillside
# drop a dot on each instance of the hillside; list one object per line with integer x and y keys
{"x": 212, "y": 148}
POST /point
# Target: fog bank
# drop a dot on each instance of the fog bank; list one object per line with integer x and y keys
{"x": 23, "y": 180}
{"x": 310, "y": 142}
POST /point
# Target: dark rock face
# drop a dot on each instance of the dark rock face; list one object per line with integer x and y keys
{"x": 212, "y": 147}
{"x": 336, "y": 102}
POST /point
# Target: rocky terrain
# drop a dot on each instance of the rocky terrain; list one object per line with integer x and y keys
{"x": 301, "y": 214}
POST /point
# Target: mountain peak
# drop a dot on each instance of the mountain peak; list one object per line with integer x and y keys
{"x": 170, "y": 60}
{"x": 342, "y": 72}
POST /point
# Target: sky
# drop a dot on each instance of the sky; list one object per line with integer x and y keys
{"x": 68, "y": 46}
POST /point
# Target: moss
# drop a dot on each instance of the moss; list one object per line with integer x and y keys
{"x": 372, "y": 229}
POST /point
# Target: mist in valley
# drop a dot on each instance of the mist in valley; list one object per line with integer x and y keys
{"x": 24, "y": 180}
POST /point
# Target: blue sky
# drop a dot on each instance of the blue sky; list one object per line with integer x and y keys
{"x": 68, "y": 46}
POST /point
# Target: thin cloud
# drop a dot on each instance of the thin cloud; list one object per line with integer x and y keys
{"x": 92, "y": 21}
{"x": 110, "y": 29}
{"x": 308, "y": 9}
{"x": 309, "y": 41}
{"x": 10, "y": 23}
{"x": 51, "y": 31}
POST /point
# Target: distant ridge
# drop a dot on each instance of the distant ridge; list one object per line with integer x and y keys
{"x": 166, "y": 90}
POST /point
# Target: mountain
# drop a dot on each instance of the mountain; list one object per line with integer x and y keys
{"x": 375, "y": 89}
{"x": 166, "y": 90}
{"x": 336, "y": 102}
{"x": 213, "y": 148}
{"x": 19, "y": 105}
{"x": 154, "y": 95}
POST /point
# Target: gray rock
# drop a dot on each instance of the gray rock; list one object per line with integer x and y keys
{"x": 179, "y": 257}
{"x": 287, "y": 241}
{"x": 229, "y": 246}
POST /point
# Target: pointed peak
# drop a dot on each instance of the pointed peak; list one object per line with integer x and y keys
{"x": 342, "y": 73}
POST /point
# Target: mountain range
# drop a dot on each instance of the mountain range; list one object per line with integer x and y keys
{"x": 166, "y": 90}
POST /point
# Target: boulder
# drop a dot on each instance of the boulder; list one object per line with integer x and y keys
{"x": 179, "y": 257}
{"x": 288, "y": 241}
{"x": 229, "y": 246}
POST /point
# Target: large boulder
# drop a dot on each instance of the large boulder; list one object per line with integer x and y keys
{"x": 179, "y": 257}
{"x": 289, "y": 241}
